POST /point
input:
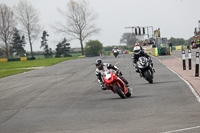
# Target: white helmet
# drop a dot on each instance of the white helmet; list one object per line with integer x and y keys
{"x": 137, "y": 50}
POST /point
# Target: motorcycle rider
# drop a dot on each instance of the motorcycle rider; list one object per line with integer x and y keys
{"x": 115, "y": 48}
{"x": 101, "y": 67}
{"x": 138, "y": 51}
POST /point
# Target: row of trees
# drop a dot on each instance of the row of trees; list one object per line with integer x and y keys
{"x": 26, "y": 17}
{"x": 180, "y": 41}
{"x": 80, "y": 24}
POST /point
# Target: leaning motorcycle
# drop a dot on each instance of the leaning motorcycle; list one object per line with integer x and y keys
{"x": 145, "y": 69}
{"x": 116, "y": 53}
{"x": 115, "y": 84}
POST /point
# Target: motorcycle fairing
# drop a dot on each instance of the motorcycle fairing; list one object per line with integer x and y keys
{"x": 111, "y": 79}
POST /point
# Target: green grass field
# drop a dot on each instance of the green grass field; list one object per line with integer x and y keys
{"x": 42, "y": 56}
{"x": 11, "y": 68}
{"x": 8, "y": 72}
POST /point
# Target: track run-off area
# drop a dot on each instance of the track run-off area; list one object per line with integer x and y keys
{"x": 66, "y": 98}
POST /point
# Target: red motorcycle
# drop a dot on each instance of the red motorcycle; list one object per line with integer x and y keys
{"x": 115, "y": 84}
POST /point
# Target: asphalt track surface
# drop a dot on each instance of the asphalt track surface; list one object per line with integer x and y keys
{"x": 66, "y": 98}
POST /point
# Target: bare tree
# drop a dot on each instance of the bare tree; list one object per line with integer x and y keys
{"x": 28, "y": 18}
{"x": 7, "y": 23}
{"x": 80, "y": 21}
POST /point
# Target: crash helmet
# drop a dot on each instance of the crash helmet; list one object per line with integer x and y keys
{"x": 137, "y": 50}
{"x": 137, "y": 44}
{"x": 99, "y": 64}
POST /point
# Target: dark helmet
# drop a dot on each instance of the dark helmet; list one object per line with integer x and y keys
{"x": 99, "y": 64}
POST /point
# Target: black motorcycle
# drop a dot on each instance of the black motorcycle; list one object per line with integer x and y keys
{"x": 145, "y": 69}
{"x": 115, "y": 53}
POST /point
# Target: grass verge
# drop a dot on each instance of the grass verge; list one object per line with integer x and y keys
{"x": 8, "y": 72}
{"x": 10, "y": 68}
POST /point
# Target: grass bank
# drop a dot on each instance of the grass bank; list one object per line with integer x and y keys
{"x": 11, "y": 68}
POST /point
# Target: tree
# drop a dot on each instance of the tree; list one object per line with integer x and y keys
{"x": 1, "y": 52}
{"x": 93, "y": 47}
{"x": 188, "y": 42}
{"x": 28, "y": 19}
{"x": 48, "y": 53}
{"x": 129, "y": 39}
{"x": 7, "y": 23}
{"x": 80, "y": 22}
{"x": 63, "y": 49}
{"x": 18, "y": 43}
{"x": 177, "y": 41}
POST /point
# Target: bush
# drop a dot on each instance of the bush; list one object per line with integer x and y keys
{"x": 93, "y": 48}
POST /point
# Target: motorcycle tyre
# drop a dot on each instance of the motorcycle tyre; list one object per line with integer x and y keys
{"x": 128, "y": 94}
{"x": 148, "y": 76}
{"x": 119, "y": 91}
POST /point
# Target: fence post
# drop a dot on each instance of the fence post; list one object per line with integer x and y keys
{"x": 189, "y": 59}
{"x": 183, "y": 58}
{"x": 197, "y": 65}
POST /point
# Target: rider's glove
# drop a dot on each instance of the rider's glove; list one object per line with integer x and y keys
{"x": 119, "y": 72}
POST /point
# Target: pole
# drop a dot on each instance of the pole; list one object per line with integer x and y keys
{"x": 189, "y": 59}
{"x": 183, "y": 58}
{"x": 197, "y": 65}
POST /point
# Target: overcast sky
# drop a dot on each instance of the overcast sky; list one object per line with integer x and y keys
{"x": 175, "y": 18}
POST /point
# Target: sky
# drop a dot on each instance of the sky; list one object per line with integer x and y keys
{"x": 175, "y": 18}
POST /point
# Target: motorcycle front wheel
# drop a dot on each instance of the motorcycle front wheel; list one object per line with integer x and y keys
{"x": 148, "y": 76}
{"x": 128, "y": 94}
{"x": 119, "y": 91}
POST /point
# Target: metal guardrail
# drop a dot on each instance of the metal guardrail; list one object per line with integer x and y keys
{"x": 14, "y": 59}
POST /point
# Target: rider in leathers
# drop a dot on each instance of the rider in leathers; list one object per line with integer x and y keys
{"x": 138, "y": 51}
{"x": 103, "y": 67}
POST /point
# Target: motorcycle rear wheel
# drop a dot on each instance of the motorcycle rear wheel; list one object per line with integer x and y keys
{"x": 119, "y": 91}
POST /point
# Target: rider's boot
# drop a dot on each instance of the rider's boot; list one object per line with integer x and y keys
{"x": 125, "y": 81}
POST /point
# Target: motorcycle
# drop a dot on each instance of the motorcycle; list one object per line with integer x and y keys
{"x": 115, "y": 84}
{"x": 145, "y": 69}
{"x": 116, "y": 53}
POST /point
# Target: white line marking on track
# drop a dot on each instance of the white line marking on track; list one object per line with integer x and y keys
{"x": 117, "y": 63}
{"x": 184, "y": 129}
{"x": 190, "y": 86}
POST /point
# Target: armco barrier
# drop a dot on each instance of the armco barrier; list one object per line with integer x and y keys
{"x": 178, "y": 47}
{"x": 14, "y": 59}
{"x": 154, "y": 51}
{"x": 3, "y": 60}
{"x": 23, "y": 59}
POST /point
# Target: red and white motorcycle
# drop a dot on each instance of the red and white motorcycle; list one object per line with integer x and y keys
{"x": 115, "y": 84}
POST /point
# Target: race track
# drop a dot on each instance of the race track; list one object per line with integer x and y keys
{"x": 66, "y": 98}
